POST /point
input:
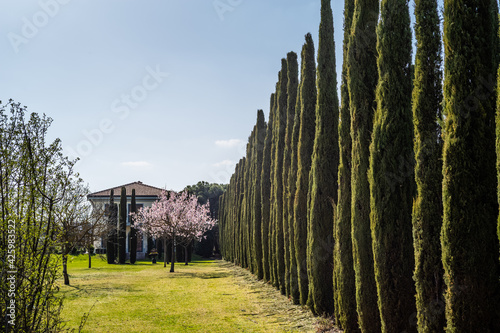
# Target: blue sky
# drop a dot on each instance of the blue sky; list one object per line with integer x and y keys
{"x": 165, "y": 92}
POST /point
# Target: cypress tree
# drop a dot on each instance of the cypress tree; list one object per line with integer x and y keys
{"x": 391, "y": 173}
{"x": 242, "y": 219}
{"x": 230, "y": 216}
{"x": 279, "y": 146}
{"x": 293, "y": 78}
{"x": 221, "y": 216}
{"x": 122, "y": 227}
{"x": 225, "y": 237}
{"x": 498, "y": 143}
{"x": 133, "y": 232}
{"x": 250, "y": 206}
{"x": 304, "y": 155}
{"x": 324, "y": 171}
{"x": 469, "y": 244}
{"x": 222, "y": 226}
{"x": 362, "y": 82}
{"x": 235, "y": 214}
{"x": 344, "y": 278}
{"x": 229, "y": 221}
{"x": 110, "y": 246}
{"x": 241, "y": 213}
{"x": 260, "y": 137}
{"x": 266, "y": 194}
{"x": 427, "y": 207}
{"x": 239, "y": 208}
{"x": 292, "y": 188}
{"x": 245, "y": 225}
{"x": 272, "y": 216}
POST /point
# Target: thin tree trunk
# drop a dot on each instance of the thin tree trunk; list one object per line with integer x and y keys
{"x": 173, "y": 255}
{"x": 65, "y": 269}
{"x": 186, "y": 254}
{"x": 168, "y": 262}
{"x": 164, "y": 252}
{"x": 90, "y": 258}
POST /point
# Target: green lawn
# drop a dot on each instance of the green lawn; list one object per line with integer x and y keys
{"x": 206, "y": 296}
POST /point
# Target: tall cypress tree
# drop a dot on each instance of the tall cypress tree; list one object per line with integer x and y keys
{"x": 245, "y": 206}
{"x": 236, "y": 213}
{"x": 251, "y": 180}
{"x": 279, "y": 144}
{"x": 304, "y": 155}
{"x": 222, "y": 225}
{"x": 230, "y": 221}
{"x": 231, "y": 214}
{"x": 293, "y": 79}
{"x": 260, "y": 137}
{"x": 243, "y": 221}
{"x": 225, "y": 237}
{"x": 391, "y": 173}
{"x": 292, "y": 188}
{"x": 122, "y": 227}
{"x": 239, "y": 210}
{"x": 498, "y": 143}
{"x": 362, "y": 82}
{"x": 222, "y": 217}
{"x": 427, "y": 207}
{"x": 133, "y": 232}
{"x": 266, "y": 193}
{"x": 324, "y": 172}
{"x": 241, "y": 214}
{"x": 344, "y": 278}
{"x": 110, "y": 245}
{"x": 469, "y": 244}
{"x": 248, "y": 194}
{"x": 272, "y": 217}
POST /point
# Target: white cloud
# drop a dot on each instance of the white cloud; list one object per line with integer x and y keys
{"x": 224, "y": 163}
{"x": 228, "y": 143}
{"x": 137, "y": 164}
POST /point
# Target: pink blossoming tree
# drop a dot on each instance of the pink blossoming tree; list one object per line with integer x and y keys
{"x": 197, "y": 221}
{"x": 175, "y": 216}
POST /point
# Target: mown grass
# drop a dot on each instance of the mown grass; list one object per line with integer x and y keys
{"x": 205, "y": 296}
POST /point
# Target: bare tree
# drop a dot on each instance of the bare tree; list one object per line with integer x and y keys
{"x": 79, "y": 222}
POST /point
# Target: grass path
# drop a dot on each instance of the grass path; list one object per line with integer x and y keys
{"x": 206, "y": 296}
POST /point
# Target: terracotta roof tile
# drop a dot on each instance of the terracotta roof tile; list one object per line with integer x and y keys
{"x": 140, "y": 190}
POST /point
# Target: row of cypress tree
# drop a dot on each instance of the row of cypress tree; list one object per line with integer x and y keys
{"x": 381, "y": 211}
{"x": 276, "y": 216}
{"x": 117, "y": 226}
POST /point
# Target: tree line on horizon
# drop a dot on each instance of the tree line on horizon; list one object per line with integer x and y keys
{"x": 381, "y": 207}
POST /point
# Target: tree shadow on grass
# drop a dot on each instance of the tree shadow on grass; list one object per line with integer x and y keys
{"x": 141, "y": 263}
{"x": 213, "y": 275}
{"x": 98, "y": 289}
